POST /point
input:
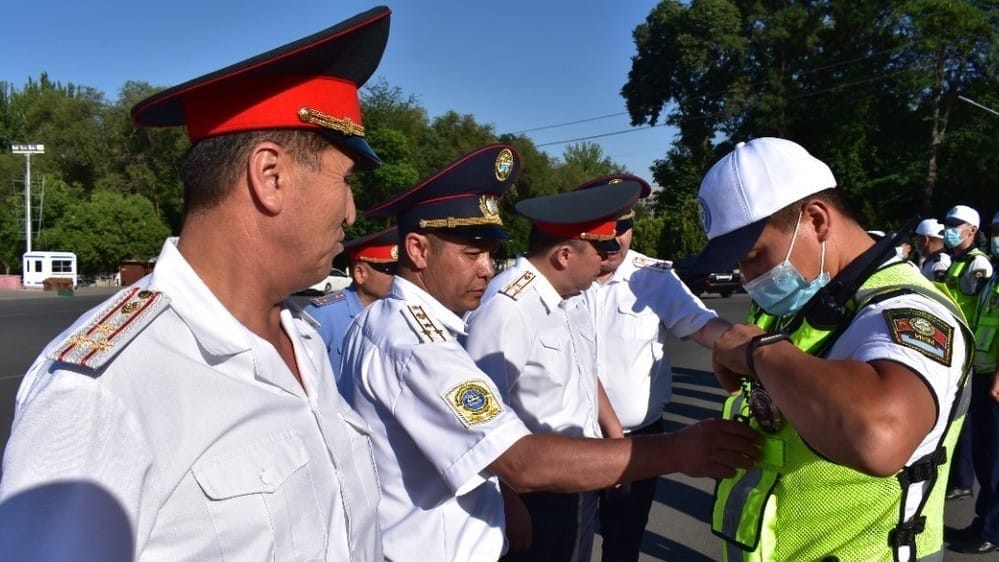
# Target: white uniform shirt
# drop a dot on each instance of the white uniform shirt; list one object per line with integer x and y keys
{"x": 935, "y": 266}
{"x": 437, "y": 424}
{"x": 633, "y": 311}
{"x": 873, "y": 335}
{"x": 201, "y": 434}
{"x": 539, "y": 349}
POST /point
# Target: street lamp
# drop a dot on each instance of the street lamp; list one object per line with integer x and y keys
{"x": 27, "y": 150}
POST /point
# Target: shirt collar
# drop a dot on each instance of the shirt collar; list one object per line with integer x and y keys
{"x": 216, "y": 329}
{"x": 549, "y": 296}
{"x": 409, "y": 292}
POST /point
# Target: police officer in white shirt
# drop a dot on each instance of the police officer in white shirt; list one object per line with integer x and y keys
{"x": 443, "y": 437}
{"x": 934, "y": 259}
{"x": 636, "y": 302}
{"x": 545, "y": 362}
{"x": 200, "y": 402}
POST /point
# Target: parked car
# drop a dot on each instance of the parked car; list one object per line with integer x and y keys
{"x": 722, "y": 282}
{"x": 335, "y": 281}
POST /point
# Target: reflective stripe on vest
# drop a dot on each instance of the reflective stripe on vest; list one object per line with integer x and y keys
{"x": 795, "y": 491}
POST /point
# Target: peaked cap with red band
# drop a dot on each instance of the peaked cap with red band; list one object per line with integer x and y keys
{"x": 309, "y": 84}
{"x": 588, "y": 214}
{"x": 621, "y": 180}
{"x": 461, "y": 199}
{"x": 380, "y": 247}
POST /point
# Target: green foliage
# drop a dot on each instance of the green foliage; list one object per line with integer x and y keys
{"x": 869, "y": 87}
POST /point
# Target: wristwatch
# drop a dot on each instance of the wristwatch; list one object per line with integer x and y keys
{"x": 760, "y": 341}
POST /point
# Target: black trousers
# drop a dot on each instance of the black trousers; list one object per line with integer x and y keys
{"x": 554, "y": 526}
{"x": 624, "y": 512}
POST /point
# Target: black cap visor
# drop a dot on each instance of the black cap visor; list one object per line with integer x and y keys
{"x": 724, "y": 252}
{"x": 357, "y": 148}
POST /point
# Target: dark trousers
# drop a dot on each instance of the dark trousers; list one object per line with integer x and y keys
{"x": 624, "y": 512}
{"x": 962, "y": 467}
{"x": 554, "y": 525}
{"x": 985, "y": 449}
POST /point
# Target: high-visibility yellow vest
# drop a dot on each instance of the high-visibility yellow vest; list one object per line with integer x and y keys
{"x": 797, "y": 505}
{"x": 987, "y": 326}
{"x": 968, "y": 303}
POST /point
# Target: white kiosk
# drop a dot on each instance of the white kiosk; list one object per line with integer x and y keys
{"x": 39, "y": 266}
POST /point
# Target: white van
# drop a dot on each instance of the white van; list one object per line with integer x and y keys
{"x": 39, "y": 266}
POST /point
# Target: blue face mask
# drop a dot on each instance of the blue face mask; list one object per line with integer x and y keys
{"x": 782, "y": 290}
{"x": 994, "y": 245}
{"x": 952, "y": 236}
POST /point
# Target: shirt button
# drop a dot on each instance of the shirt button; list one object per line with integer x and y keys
{"x": 265, "y": 476}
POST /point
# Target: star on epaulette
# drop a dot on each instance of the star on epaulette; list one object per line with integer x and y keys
{"x": 649, "y": 263}
{"x": 516, "y": 286}
{"x": 330, "y": 298}
{"x": 423, "y": 325}
{"x": 110, "y": 328}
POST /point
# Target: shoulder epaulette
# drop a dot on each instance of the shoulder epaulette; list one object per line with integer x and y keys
{"x": 330, "y": 298}
{"x": 424, "y": 326}
{"x": 515, "y": 287}
{"x": 110, "y": 328}
{"x": 642, "y": 261}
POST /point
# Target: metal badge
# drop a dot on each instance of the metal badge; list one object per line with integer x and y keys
{"x": 504, "y": 164}
{"x": 764, "y": 410}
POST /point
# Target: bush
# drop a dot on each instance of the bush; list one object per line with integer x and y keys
{"x": 57, "y": 283}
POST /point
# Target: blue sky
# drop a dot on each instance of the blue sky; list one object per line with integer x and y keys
{"x": 518, "y": 64}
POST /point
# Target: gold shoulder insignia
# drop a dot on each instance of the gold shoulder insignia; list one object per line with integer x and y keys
{"x": 473, "y": 402}
{"x": 922, "y": 331}
{"x": 110, "y": 328}
{"x": 335, "y": 296}
{"x": 515, "y": 287}
{"x": 661, "y": 265}
{"x": 424, "y": 326}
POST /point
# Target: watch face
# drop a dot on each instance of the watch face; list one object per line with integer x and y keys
{"x": 764, "y": 410}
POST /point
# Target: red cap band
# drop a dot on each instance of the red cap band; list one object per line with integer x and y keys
{"x": 599, "y": 230}
{"x": 273, "y": 102}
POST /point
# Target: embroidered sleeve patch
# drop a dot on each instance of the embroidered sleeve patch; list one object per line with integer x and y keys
{"x": 922, "y": 331}
{"x": 472, "y": 402}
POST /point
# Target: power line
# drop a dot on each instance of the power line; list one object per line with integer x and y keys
{"x": 632, "y": 130}
{"x": 567, "y": 123}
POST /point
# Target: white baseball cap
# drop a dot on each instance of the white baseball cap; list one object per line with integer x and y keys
{"x": 742, "y": 190}
{"x": 930, "y": 227}
{"x": 962, "y": 213}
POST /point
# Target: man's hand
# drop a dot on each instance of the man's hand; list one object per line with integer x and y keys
{"x": 729, "y": 357}
{"x": 994, "y": 390}
{"x": 715, "y": 448}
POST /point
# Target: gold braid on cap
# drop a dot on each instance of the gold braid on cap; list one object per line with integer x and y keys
{"x": 597, "y": 237}
{"x": 629, "y": 215}
{"x": 318, "y": 118}
{"x": 452, "y": 222}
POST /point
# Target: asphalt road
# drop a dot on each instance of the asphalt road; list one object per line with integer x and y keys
{"x": 679, "y": 527}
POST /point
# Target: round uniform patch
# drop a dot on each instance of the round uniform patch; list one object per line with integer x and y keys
{"x": 473, "y": 402}
{"x": 504, "y": 164}
{"x": 704, "y": 214}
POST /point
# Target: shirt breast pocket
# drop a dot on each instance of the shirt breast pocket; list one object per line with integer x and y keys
{"x": 641, "y": 324}
{"x": 262, "y": 501}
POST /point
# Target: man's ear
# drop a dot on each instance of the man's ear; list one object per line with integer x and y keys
{"x": 417, "y": 248}
{"x": 818, "y": 214}
{"x": 560, "y": 256}
{"x": 359, "y": 272}
{"x": 269, "y": 175}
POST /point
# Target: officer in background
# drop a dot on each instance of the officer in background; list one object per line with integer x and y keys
{"x": 534, "y": 337}
{"x": 933, "y": 256}
{"x": 373, "y": 260}
{"x": 200, "y": 399}
{"x": 635, "y": 303}
{"x": 970, "y": 267}
{"x": 982, "y": 535}
{"x": 856, "y": 384}
{"x": 442, "y": 435}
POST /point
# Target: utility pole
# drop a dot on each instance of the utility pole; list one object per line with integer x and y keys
{"x": 27, "y": 150}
